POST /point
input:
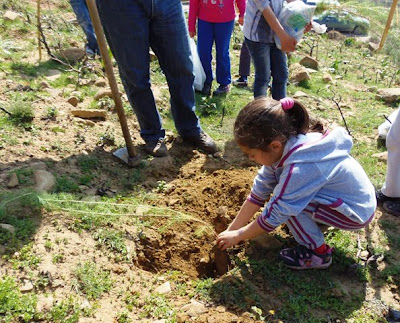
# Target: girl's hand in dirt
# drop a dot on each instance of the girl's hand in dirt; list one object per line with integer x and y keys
{"x": 228, "y": 239}
{"x": 192, "y": 34}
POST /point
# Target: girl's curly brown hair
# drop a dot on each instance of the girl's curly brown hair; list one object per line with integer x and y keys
{"x": 263, "y": 120}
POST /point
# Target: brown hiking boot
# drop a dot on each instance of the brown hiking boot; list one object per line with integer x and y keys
{"x": 202, "y": 141}
{"x": 156, "y": 148}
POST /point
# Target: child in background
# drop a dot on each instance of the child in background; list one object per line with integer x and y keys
{"x": 82, "y": 15}
{"x": 260, "y": 25}
{"x": 216, "y": 20}
{"x": 311, "y": 176}
{"x": 244, "y": 66}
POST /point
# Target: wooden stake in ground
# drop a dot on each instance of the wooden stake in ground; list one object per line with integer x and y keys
{"x": 38, "y": 30}
{"x": 101, "y": 40}
{"x": 388, "y": 23}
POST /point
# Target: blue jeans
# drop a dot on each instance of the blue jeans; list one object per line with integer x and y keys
{"x": 208, "y": 32}
{"x": 82, "y": 15}
{"x": 131, "y": 27}
{"x": 268, "y": 60}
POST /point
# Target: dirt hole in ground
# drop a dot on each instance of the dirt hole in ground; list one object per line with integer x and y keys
{"x": 212, "y": 200}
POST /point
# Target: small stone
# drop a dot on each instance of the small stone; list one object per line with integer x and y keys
{"x": 327, "y": 78}
{"x": 101, "y": 83}
{"x": 310, "y": 62}
{"x": 57, "y": 283}
{"x": 336, "y": 292}
{"x": 73, "y": 100}
{"x": 194, "y": 308}
{"x": 13, "y": 182}
{"x": 103, "y": 93}
{"x": 53, "y": 92}
{"x": 11, "y": 15}
{"x": 164, "y": 288}
{"x": 221, "y": 309}
{"x": 44, "y": 304}
{"x": 381, "y": 156}
{"x": 389, "y": 95}
{"x": 53, "y": 75}
{"x": 118, "y": 269}
{"x": 28, "y": 286}
{"x": 44, "y": 180}
{"x": 8, "y": 227}
{"x": 44, "y": 85}
{"x": 372, "y": 46}
{"x": 84, "y": 122}
{"x": 172, "y": 202}
{"x": 72, "y": 54}
{"x": 85, "y": 304}
{"x": 88, "y": 114}
{"x": 299, "y": 73}
{"x": 300, "y": 94}
{"x": 182, "y": 318}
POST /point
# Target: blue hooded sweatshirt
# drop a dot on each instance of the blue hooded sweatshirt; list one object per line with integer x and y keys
{"x": 314, "y": 169}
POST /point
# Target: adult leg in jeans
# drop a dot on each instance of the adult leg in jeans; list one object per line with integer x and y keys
{"x": 170, "y": 41}
{"x": 260, "y": 53}
{"x": 126, "y": 26}
{"x": 223, "y": 33}
{"x": 82, "y": 15}
{"x": 279, "y": 71}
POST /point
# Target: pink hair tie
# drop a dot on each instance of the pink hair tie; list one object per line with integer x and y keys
{"x": 287, "y": 103}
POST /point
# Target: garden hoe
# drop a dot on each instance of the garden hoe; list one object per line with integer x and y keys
{"x": 127, "y": 154}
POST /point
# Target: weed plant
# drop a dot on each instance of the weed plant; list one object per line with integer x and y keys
{"x": 15, "y": 306}
{"x": 157, "y": 307}
{"x": 91, "y": 280}
{"x": 21, "y": 114}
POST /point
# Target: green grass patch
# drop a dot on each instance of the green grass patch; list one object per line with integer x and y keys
{"x": 113, "y": 240}
{"x": 67, "y": 311}
{"x": 15, "y": 306}
{"x": 66, "y": 184}
{"x": 157, "y": 307}
{"x": 22, "y": 210}
{"x": 91, "y": 280}
{"x": 88, "y": 164}
{"x": 25, "y": 258}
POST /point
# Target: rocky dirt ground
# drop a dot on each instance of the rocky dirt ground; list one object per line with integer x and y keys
{"x": 169, "y": 262}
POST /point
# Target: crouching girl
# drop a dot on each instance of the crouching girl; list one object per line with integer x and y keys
{"x": 311, "y": 176}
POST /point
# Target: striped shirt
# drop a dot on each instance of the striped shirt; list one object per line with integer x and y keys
{"x": 255, "y": 26}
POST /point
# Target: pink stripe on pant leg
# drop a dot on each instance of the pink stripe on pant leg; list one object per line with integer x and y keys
{"x": 301, "y": 233}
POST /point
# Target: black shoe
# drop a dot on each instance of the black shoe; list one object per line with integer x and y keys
{"x": 241, "y": 82}
{"x": 206, "y": 89}
{"x": 203, "y": 141}
{"x": 156, "y": 148}
{"x": 382, "y": 198}
{"x": 222, "y": 89}
{"x": 392, "y": 207}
